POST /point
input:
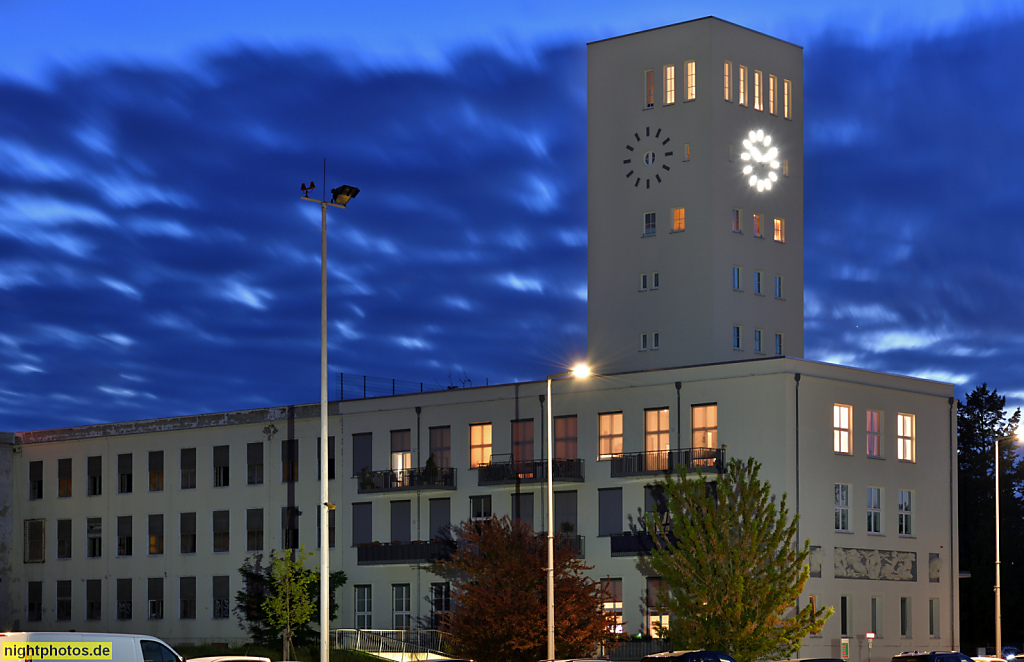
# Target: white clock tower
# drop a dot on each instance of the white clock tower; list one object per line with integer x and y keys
{"x": 695, "y": 196}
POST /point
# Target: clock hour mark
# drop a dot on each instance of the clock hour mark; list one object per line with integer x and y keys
{"x": 648, "y": 131}
{"x": 629, "y": 174}
{"x": 637, "y": 136}
{"x": 637, "y": 182}
{"x": 668, "y": 154}
{"x": 625, "y": 161}
{"x": 648, "y": 183}
{"x": 665, "y": 167}
{"x": 658, "y": 134}
{"x": 658, "y": 177}
{"x": 629, "y": 147}
{"x": 665, "y": 141}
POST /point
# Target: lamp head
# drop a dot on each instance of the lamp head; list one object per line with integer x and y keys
{"x": 581, "y": 371}
{"x": 342, "y": 194}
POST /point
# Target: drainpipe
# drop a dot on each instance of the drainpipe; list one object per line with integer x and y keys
{"x": 679, "y": 413}
{"x": 953, "y": 515}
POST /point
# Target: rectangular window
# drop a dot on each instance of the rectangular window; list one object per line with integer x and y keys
{"x": 933, "y": 617}
{"x": 643, "y": 342}
{"x": 609, "y": 435}
{"x": 64, "y": 477}
{"x": 649, "y": 88}
{"x": 221, "y": 597}
{"x": 758, "y": 288}
{"x": 330, "y": 458}
{"x": 874, "y": 435}
{"x": 35, "y": 540}
{"x": 787, "y": 99}
{"x": 650, "y": 224}
{"x": 221, "y": 466}
{"x": 64, "y": 598}
{"x": 188, "y": 468}
{"x": 778, "y": 287}
{"x": 155, "y": 590}
{"x": 704, "y": 426}
{"x": 440, "y": 517}
{"x": 742, "y": 85}
{"x": 401, "y": 450}
{"x": 35, "y": 480}
{"x": 480, "y": 506}
{"x": 221, "y": 531}
{"x": 35, "y": 601}
{"x": 362, "y": 453}
{"x": 657, "y": 616}
{"x": 686, "y": 151}
{"x": 727, "y": 80}
{"x": 612, "y": 603}
{"x": 778, "y": 344}
{"x": 156, "y": 534}
{"x": 94, "y": 473}
{"x": 254, "y": 529}
{"x": 565, "y": 438}
{"x": 844, "y": 615}
{"x": 362, "y": 523}
{"x": 772, "y": 94}
{"x": 841, "y": 416}
{"x": 758, "y": 93}
{"x": 758, "y": 229}
{"x": 757, "y": 341}
{"x": 124, "y": 535}
{"x": 441, "y": 446}
{"x": 364, "y": 607}
{"x": 780, "y": 230}
{"x": 522, "y": 508}
{"x": 522, "y": 441}
{"x": 331, "y": 530}
{"x": 785, "y": 167}
{"x": 679, "y": 219}
{"x": 187, "y": 532}
{"x": 124, "y": 473}
{"x": 905, "y": 511}
{"x": 905, "y": 617}
{"x": 479, "y": 444}
{"x": 737, "y": 337}
{"x": 670, "y": 84}
{"x": 609, "y": 511}
{"x": 440, "y": 602}
{"x": 64, "y": 539}
{"x": 736, "y": 279}
{"x": 656, "y": 434}
{"x": 735, "y": 220}
{"x": 290, "y": 527}
{"x": 655, "y": 280}
{"x": 124, "y": 599}
{"x": 905, "y": 437}
{"x": 93, "y": 599}
{"x": 187, "y": 598}
{"x": 876, "y": 615}
{"x": 401, "y": 607}
{"x": 643, "y": 282}
{"x": 842, "y": 507}
{"x": 691, "y": 80}
{"x": 156, "y": 471}
{"x": 655, "y": 341}
{"x": 290, "y": 461}
{"x": 254, "y": 463}
{"x": 874, "y": 510}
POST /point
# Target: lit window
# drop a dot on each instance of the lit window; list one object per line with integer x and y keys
{"x": 758, "y": 94}
{"x": 612, "y": 603}
{"x": 772, "y": 88}
{"x": 686, "y": 152}
{"x": 757, "y": 283}
{"x": 655, "y": 280}
{"x": 874, "y": 436}
{"x": 905, "y": 437}
{"x": 787, "y": 99}
{"x": 649, "y": 88}
{"x": 778, "y": 344}
{"x": 727, "y": 79}
{"x": 704, "y": 426}
{"x": 656, "y": 437}
{"x": 785, "y": 167}
{"x": 609, "y": 435}
{"x": 643, "y": 282}
{"x": 841, "y": 428}
{"x": 906, "y": 528}
{"x": 737, "y": 337}
{"x": 758, "y": 230}
{"x": 735, "y": 219}
{"x": 742, "y": 82}
{"x": 736, "y": 278}
{"x": 650, "y": 224}
{"x": 479, "y": 444}
{"x": 757, "y": 341}
{"x": 874, "y": 510}
{"x": 780, "y": 230}
{"x": 679, "y": 219}
{"x": 691, "y": 80}
{"x": 842, "y": 507}
{"x": 670, "y": 83}
{"x": 778, "y": 286}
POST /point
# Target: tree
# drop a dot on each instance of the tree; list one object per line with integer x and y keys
{"x": 981, "y": 418}
{"x": 282, "y": 585}
{"x": 732, "y": 566}
{"x": 499, "y": 595}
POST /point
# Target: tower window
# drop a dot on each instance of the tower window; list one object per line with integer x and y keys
{"x": 670, "y": 84}
{"x": 655, "y": 340}
{"x": 778, "y": 344}
{"x": 758, "y": 92}
{"x": 742, "y": 84}
{"x": 757, "y": 283}
{"x": 727, "y": 80}
{"x": 757, "y": 341}
{"x": 780, "y": 230}
{"x": 787, "y": 99}
{"x": 679, "y": 219}
{"x": 643, "y": 342}
{"x": 736, "y": 214}
{"x": 778, "y": 286}
{"x": 655, "y": 280}
{"x": 737, "y": 337}
{"x": 649, "y": 224}
{"x": 691, "y": 80}
{"x": 736, "y": 273}
{"x": 772, "y": 94}
{"x": 649, "y": 88}
{"x": 643, "y": 282}
{"x": 758, "y": 230}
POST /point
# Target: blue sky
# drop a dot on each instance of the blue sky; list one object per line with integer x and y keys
{"x": 155, "y": 258}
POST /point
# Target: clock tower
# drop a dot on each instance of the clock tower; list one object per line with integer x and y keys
{"x": 695, "y": 197}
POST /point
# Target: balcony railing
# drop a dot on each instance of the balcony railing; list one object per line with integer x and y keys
{"x": 634, "y": 544}
{"x": 529, "y": 471}
{"x": 417, "y": 551}
{"x": 655, "y": 462}
{"x": 421, "y": 478}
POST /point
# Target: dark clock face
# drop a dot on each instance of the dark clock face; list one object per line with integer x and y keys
{"x": 648, "y": 154}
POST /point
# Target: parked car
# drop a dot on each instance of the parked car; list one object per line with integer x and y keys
{"x": 120, "y": 647}
{"x": 930, "y": 656}
{"x": 688, "y": 656}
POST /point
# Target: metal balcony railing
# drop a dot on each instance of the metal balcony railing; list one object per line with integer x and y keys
{"x": 639, "y": 543}
{"x": 420, "y": 478}
{"x": 398, "y": 645}
{"x": 529, "y": 471}
{"x": 655, "y": 462}
{"x": 417, "y": 551}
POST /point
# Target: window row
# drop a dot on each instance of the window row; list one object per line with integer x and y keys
{"x": 650, "y": 221}
{"x": 737, "y": 86}
{"x": 842, "y": 433}
{"x": 757, "y": 222}
{"x": 876, "y": 622}
{"x": 736, "y": 279}
{"x": 874, "y": 510}
{"x": 738, "y": 340}
{"x": 668, "y": 78}
{"x": 125, "y": 599}
{"x": 154, "y": 542}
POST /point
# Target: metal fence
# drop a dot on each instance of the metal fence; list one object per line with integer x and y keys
{"x": 398, "y": 645}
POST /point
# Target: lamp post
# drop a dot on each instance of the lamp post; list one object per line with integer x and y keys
{"x": 339, "y": 198}
{"x": 579, "y": 371}
{"x": 999, "y": 607}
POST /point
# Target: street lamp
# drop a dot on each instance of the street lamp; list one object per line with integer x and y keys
{"x": 999, "y": 608}
{"x": 339, "y": 198}
{"x": 580, "y": 371}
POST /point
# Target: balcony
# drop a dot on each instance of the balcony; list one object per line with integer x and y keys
{"x": 708, "y": 460}
{"x": 417, "y": 551}
{"x": 529, "y": 471}
{"x": 422, "y": 478}
{"x": 634, "y": 544}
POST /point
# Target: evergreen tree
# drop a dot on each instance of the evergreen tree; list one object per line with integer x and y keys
{"x": 732, "y": 567}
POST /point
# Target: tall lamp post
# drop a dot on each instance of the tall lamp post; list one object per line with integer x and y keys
{"x": 339, "y": 198}
{"x": 579, "y": 371}
{"x": 999, "y": 607}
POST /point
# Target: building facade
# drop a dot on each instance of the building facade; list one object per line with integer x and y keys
{"x": 142, "y": 526}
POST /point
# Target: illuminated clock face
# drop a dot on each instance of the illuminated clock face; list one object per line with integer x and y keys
{"x": 760, "y": 160}
{"x": 648, "y": 156}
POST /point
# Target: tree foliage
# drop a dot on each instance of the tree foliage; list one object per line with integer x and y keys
{"x": 263, "y": 594}
{"x": 499, "y": 595}
{"x": 733, "y": 569}
{"x": 982, "y": 418}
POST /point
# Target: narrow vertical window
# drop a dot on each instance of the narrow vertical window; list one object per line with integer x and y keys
{"x": 736, "y": 278}
{"x": 876, "y": 615}
{"x": 221, "y": 531}
{"x": 758, "y": 288}
{"x": 290, "y": 527}
{"x": 155, "y": 590}
{"x": 221, "y": 597}
{"x": 522, "y": 441}
{"x": 643, "y": 342}
{"x": 93, "y": 599}
{"x": 364, "y": 607}
{"x": 905, "y": 437}
{"x": 124, "y": 599}
{"x": 841, "y": 415}
{"x": 35, "y": 541}
{"x": 254, "y": 530}
{"x": 156, "y": 534}
{"x": 64, "y": 539}
{"x": 670, "y": 84}
{"x": 565, "y": 438}
{"x": 612, "y": 603}
{"x": 778, "y": 287}
{"x": 656, "y": 438}
{"x": 758, "y": 93}
{"x": 643, "y": 282}
{"x": 35, "y": 480}
{"x": 221, "y": 466}
{"x": 655, "y": 340}
{"x": 401, "y": 610}
{"x": 844, "y": 615}
{"x": 742, "y": 86}
{"x": 842, "y": 507}
{"x": 649, "y": 88}
{"x": 874, "y": 510}
{"x": 905, "y": 511}
{"x": 737, "y": 337}
{"x": 609, "y": 435}
{"x": 655, "y": 280}
{"x": 757, "y": 341}
{"x": 124, "y": 535}
{"x": 678, "y": 219}
{"x": 778, "y": 344}
{"x": 35, "y": 601}
{"x": 780, "y": 230}
{"x": 187, "y": 598}
{"x": 401, "y": 451}
{"x": 441, "y": 446}
{"x": 124, "y": 473}
{"x": 187, "y": 533}
{"x": 64, "y": 477}
{"x": 440, "y": 602}
{"x": 787, "y": 99}
{"x": 156, "y": 471}
{"x": 933, "y": 617}
{"x": 188, "y": 468}
{"x": 772, "y": 94}
{"x": 94, "y": 470}
{"x": 691, "y": 80}
{"x": 727, "y": 80}
{"x": 704, "y": 426}
{"x": 905, "y": 617}
{"x": 758, "y": 229}
{"x": 64, "y": 588}
{"x": 290, "y": 461}
{"x": 874, "y": 435}
{"x": 254, "y": 463}
{"x": 735, "y": 219}
{"x": 479, "y": 444}
{"x": 650, "y": 224}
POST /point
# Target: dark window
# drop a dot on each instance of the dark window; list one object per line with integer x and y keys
{"x": 187, "y": 598}
{"x": 565, "y": 513}
{"x": 156, "y": 534}
{"x": 155, "y": 587}
{"x": 254, "y": 530}
{"x": 289, "y": 527}
{"x": 440, "y": 517}
{"x": 362, "y": 453}
{"x": 330, "y": 530}
{"x": 94, "y": 537}
{"x": 221, "y": 601}
{"x": 35, "y": 479}
{"x": 254, "y": 463}
{"x": 64, "y": 477}
{"x": 441, "y": 446}
{"x": 94, "y": 472}
{"x": 93, "y": 599}
{"x": 188, "y": 468}
{"x": 401, "y": 521}
{"x": 124, "y": 599}
{"x": 362, "y": 523}
{"x": 124, "y": 473}
{"x": 221, "y": 530}
{"x": 187, "y": 527}
{"x": 63, "y": 612}
{"x": 156, "y": 471}
{"x": 63, "y": 539}
{"x": 124, "y": 535}
{"x": 221, "y": 469}
{"x": 290, "y": 460}
{"x": 522, "y": 508}
{"x": 35, "y": 540}
{"x": 609, "y": 511}
{"x": 35, "y": 601}
{"x": 330, "y": 458}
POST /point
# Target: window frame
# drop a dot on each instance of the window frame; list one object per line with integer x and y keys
{"x": 669, "y": 83}
{"x": 612, "y": 435}
{"x": 679, "y": 219}
{"x": 906, "y": 445}
{"x": 874, "y": 510}
{"x": 842, "y": 429}
{"x": 480, "y": 451}
{"x": 690, "y": 69}
{"x": 842, "y": 508}
{"x": 904, "y": 508}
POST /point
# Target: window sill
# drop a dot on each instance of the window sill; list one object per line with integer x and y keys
{"x": 874, "y": 457}
{"x": 845, "y": 532}
{"x": 677, "y": 231}
{"x": 907, "y": 535}
{"x": 875, "y": 533}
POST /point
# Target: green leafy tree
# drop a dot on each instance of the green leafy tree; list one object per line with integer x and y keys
{"x": 732, "y": 567}
{"x": 291, "y": 604}
{"x": 499, "y": 595}
{"x": 254, "y": 604}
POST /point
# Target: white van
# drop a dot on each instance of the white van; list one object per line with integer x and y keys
{"x": 83, "y": 647}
